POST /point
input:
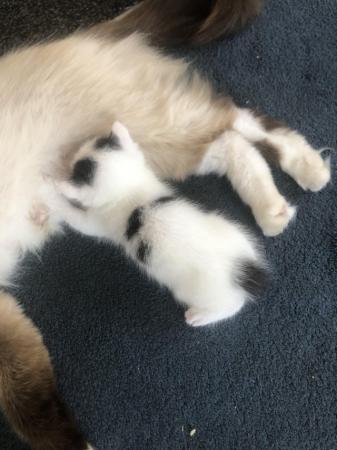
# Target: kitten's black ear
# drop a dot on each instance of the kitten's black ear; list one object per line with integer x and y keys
{"x": 119, "y": 130}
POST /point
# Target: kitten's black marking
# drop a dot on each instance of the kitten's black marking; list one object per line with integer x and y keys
{"x": 164, "y": 199}
{"x": 77, "y": 204}
{"x": 252, "y": 277}
{"x": 143, "y": 252}
{"x": 135, "y": 222}
{"x": 84, "y": 171}
{"x": 110, "y": 142}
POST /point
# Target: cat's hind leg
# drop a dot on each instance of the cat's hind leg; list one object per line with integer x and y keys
{"x": 284, "y": 147}
{"x": 233, "y": 155}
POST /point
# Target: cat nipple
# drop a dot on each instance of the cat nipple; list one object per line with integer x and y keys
{"x": 39, "y": 214}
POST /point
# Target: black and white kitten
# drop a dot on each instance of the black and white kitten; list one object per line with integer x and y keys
{"x": 211, "y": 265}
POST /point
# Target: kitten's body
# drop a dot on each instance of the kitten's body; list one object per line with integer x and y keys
{"x": 55, "y": 95}
{"x": 206, "y": 260}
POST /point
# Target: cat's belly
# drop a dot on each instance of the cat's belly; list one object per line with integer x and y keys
{"x": 23, "y": 230}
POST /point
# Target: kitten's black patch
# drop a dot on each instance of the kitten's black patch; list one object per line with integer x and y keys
{"x": 84, "y": 171}
{"x": 135, "y": 222}
{"x": 252, "y": 277}
{"x": 107, "y": 143}
{"x": 164, "y": 199}
{"x": 77, "y": 204}
{"x": 143, "y": 252}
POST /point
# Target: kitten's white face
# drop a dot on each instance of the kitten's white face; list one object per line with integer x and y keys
{"x": 105, "y": 169}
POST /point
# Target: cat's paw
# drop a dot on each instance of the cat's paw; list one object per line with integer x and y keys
{"x": 274, "y": 219}
{"x": 312, "y": 171}
{"x": 302, "y": 162}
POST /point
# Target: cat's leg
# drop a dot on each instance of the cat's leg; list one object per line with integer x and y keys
{"x": 28, "y": 393}
{"x": 285, "y": 147}
{"x": 250, "y": 175}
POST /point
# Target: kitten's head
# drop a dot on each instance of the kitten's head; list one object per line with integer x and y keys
{"x": 104, "y": 169}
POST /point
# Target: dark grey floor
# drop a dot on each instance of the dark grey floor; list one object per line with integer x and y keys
{"x": 135, "y": 375}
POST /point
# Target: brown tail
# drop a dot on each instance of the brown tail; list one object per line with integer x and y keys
{"x": 173, "y": 22}
{"x": 28, "y": 395}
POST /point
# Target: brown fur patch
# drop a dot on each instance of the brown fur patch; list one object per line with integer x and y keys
{"x": 270, "y": 124}
{"x": 268, "y": 151}
{"x": 172, "y": 22}
{"x": 28, "y": 394}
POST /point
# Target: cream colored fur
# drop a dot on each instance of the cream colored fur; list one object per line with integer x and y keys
{"x": 235, "y": 155}
{"x": 56, "y": 95}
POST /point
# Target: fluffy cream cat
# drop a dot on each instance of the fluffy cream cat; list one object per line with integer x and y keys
{"x": 56, "y": 95}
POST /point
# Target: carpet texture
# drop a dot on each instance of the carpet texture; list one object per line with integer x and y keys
{"x": 136, "y": 377}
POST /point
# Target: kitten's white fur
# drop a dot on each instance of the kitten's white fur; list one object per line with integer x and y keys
{"x": 196, "y": 254}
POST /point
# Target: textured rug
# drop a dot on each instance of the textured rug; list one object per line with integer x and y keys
{"x": 136, "y": 377}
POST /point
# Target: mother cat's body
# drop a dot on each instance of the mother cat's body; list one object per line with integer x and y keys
{"x": 54, "y": 96}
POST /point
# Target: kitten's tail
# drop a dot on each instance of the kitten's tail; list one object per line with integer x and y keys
{"x": 174, "y": 22}
{"x": 28, "y": 394}
{"x": 253, "y": 276}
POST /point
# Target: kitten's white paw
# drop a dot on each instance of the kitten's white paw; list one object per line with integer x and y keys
{"x": 200, "y": 317}
{"x": 312, "y": 172}
{"x": 197, "y": 317}
{"x": 274, "y": 219}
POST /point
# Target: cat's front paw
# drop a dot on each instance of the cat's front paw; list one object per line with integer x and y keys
{"x": 274, "y": 219}
{"x": 313, "y": 172}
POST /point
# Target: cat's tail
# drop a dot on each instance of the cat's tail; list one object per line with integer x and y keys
{"x": 28, "y": 394}
{"x": 174, "y": 22}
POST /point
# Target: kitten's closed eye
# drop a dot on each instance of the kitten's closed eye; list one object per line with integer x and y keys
{"x": 76, "y": 204}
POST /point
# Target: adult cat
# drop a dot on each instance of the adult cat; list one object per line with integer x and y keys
{"x": 51, "y": 92}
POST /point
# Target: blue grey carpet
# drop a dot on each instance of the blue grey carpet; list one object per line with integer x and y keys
{"x": 136, "y": 377}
